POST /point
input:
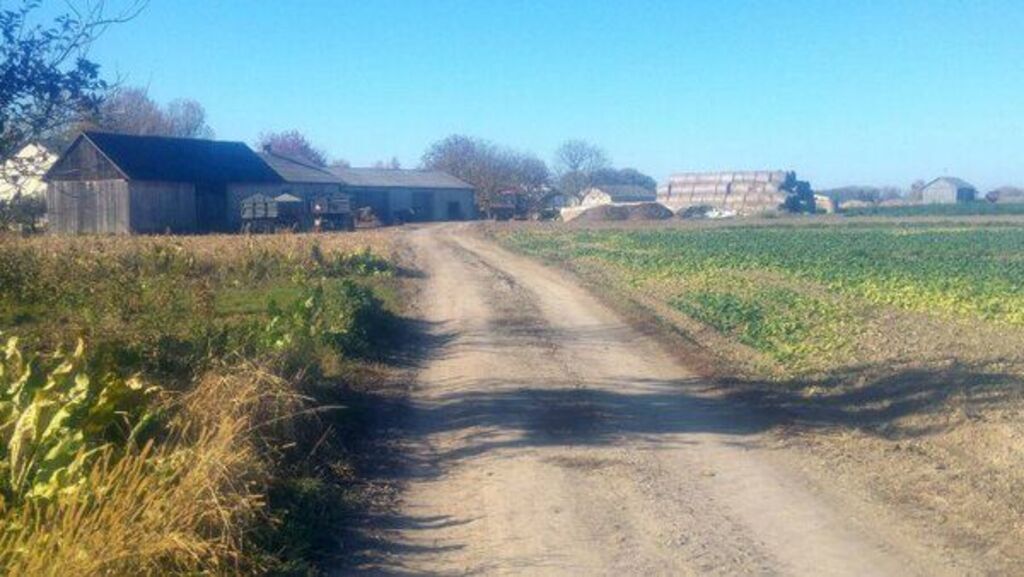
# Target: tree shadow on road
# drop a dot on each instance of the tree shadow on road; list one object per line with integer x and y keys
{"x": 499, "y": 413}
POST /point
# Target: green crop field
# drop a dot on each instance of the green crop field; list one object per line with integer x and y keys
{"x": 977, "y": 208}
{"x": 803, "y": 296}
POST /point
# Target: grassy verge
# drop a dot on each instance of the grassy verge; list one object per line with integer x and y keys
{"x": 171, "y": 405}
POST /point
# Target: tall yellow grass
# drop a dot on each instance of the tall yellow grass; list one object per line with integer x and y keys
{"x": 183, "y": 506}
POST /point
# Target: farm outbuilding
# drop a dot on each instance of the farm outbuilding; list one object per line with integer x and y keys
{"x": 948, "y": 190}
{"x": 616, "y": 194}
{"x": 311, "y": 185}
{"x": 749, "y": 192}
{"x": 118, "y": 183}
{"x": 396, "y": 195}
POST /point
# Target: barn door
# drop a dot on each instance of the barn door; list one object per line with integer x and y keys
{"x": 211, "y": 208}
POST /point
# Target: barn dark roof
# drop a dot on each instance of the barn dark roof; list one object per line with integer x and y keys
{"x": 182, "y": 159}
{"x": 958, "y": 183}
{"x": 292, "y": 170}
{"x": 398, "y": 178}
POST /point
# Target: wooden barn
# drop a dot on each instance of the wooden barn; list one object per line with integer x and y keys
{"x": 396, "y": 195}
{"x": 117, "y": 183}
{"x": 948, "y": 190}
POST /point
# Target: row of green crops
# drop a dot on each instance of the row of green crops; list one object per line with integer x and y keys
{"x": 787, "y": 290}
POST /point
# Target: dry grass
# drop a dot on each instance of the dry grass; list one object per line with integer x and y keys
{"x": 194, "y": 499}
{"x": 186, "y": 505}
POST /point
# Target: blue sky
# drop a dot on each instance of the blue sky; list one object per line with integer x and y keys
{"x": 867, "y": 92}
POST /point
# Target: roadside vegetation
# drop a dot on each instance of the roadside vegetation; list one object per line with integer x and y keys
{"x": 171, "y": 405}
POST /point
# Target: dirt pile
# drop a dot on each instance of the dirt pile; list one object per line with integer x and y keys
{"x": 623, "y": 212}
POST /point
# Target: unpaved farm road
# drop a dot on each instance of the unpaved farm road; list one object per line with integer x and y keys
{"x": 550, "y": 438}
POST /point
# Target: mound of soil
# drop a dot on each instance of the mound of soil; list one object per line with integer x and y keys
{"x": 620, "y": 212}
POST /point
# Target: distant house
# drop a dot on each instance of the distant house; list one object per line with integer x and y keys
{"x": 1006, "y": 194}
{"x": 22, "y": 174}
{"x": 825, "y": 203}
{"x": 616, "y": 194}
{"x": 948, "y": 190}
{"x": 118, "y": 183}
{"x": 396, "y": 195}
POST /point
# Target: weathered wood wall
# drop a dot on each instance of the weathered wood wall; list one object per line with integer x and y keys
{"x": 96, "y": 206}
{"x": 84, "y": 162}
{"x": 157, "y": 207}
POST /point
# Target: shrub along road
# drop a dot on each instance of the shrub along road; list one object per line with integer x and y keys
{"x": 548, "y": 437}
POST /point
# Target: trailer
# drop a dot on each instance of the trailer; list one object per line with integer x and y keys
{"x": 262, "y": 214}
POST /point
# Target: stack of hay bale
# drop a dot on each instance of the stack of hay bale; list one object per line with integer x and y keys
{"x": 745, "y": 193}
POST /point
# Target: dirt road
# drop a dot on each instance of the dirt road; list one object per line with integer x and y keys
{"x": 550, "y": 438}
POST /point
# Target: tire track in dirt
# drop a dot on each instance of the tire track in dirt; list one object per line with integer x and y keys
{"x": 552, "y": 439}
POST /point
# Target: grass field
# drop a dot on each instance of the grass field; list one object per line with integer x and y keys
{"x": 166, "y": 403}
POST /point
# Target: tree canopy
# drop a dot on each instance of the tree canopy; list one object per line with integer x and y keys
{"x": 293, "y": 144}
{"x": 131, "y": 111}
{"x": 576, "y": 162}
{"x": 499, "y": 174}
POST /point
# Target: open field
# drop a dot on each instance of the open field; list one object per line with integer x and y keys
{"x": 801, "y": 296}
{"x": 179, "y": 405}
{"x": 891, "y": 352}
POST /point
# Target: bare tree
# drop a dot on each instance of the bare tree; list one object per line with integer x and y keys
{"x": 187, "y": 118}
{"x": 46, "y": 78}
{"x": 575, "y": 163}
{"x": 293, "y": 144}
{"x": 393, "y": 164}
{"x": 532, "y": 182}
{"x": 495, "y": 172}
{"x": 130, "y": 110}
{"x": 339, "y": 163}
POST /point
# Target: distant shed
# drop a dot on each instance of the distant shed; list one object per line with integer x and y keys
{"x": 616, "y": 194}
{"x": 948, "y": 190}
{"x": 119, "y": 183}
{"x": 409, "y": 195}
